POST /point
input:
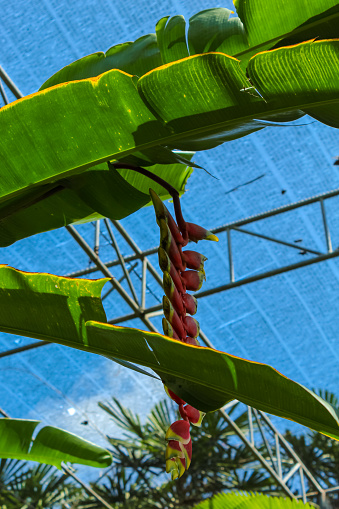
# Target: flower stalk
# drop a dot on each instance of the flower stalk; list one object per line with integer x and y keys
{"x": 179, "y": 306}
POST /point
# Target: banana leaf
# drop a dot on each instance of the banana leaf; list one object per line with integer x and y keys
{"x": 255, "y": 30}
{"x": 192, "y": 104}
{"x": 96, "y": 193}
{"x": 48, "y": 307}
{"x": 136, "y": 57}
{"x": 277, "y": 21}
{"x": 51, "y": 445}
{"x": 69, "y": 312}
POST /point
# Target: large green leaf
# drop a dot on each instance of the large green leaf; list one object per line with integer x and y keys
{"x": 209, "y": 378}
{"x": 202, "y": 98}
{"x": 250, "y": 501}
{"x": 102, "y": 119}
{"x": 192, "y": 104}
{"x": 278, "y": 20}
{"x": 287, "y": 74}
{"x": 136, "y": 57}
{"x": 69, "y": 312}
{"x": 51, "y": 445}
{"x": 171, "y": 37}
{"x": 48, "y": 307}
{"x": 96, "y": 193}
{"x": 212, "y": 30}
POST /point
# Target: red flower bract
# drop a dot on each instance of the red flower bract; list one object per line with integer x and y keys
{"x": 173, "y": 262}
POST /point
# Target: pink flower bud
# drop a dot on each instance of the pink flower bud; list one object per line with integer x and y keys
{"x": 194, "y": 260}
{"x": 197, "y": 233}
{"x": 191, "y": 341}
{"x": 167, "y": 266}
{"x": 173, "y": 294}
{"x": 194, "y": 416}
{"x": 162, "y": 212}
{"x": 190, "y": 303}
{"x": 173, "y": 317}
{"x": 188, "y": 453}
{"x": 193, "y": 279}
{"x": 174, "y": 229}
{"x": 192, "y": 326}
{"x": 178, "y": 452}
{"x": 180, "y": 431}
{"x": 168, "y": 330}
{"x": 168, "y": 243}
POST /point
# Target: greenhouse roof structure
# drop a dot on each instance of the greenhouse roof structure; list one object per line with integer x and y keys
{"x": 271, "y": 293}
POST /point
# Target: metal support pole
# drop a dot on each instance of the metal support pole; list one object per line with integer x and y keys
{"x": 258, "y": 455}
{"x": 290, "y": 450}
{"x": 97, "y": 237}
{"x": 302, "y": 482}
{"x": 141, "y": 254}
{"x": 230, "y": 257}
{"x": 85, "y": 486}
{"x": 270, "y": 273}
{"x": 143, "y": 283}
{"x": 122, "y": 292}
{"x": 256, "y": 414}
{"x": 121, "y": 260}
{"x": 277, "y": 453}
{"x": 7, "y": 80}
{"x": 3, "y": 93}
{"x": 327, "y": 231}
{"x": 4, "y": 414}
{"x": 249, "y": 416}
{"x": 277, "y": 241}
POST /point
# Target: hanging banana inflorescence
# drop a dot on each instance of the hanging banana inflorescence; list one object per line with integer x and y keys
{"x": 179, "y": 306}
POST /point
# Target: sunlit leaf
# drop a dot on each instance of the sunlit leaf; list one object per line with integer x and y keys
{"x": 51, "y": 445}
{"x": 69, "y": 312}
{"x": 263, "y": 25}
{"x": 192, "y": 104}
{"x": 48, "y": 307}
{"x": 208, "y": 378}
{"x": 136, "y": 57}
{"x": 171, "y": 37}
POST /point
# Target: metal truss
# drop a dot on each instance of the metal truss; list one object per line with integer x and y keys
{"x": 267, "y": 444}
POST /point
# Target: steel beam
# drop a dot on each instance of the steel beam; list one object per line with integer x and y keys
{"x": 275, "y": 455}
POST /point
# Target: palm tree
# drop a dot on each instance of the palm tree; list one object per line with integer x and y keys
{"x": 35, "y": 487}
{"x": 138, "y": 479}
{"x": 320, "y": 453}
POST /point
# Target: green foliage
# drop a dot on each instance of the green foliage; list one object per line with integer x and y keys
{"x": 250, "y": 501}
{"x": 137, "y": 478}
{"x": 48, "y": 307}
{"x": 193, "y": 102}
{"x": 51, "y": 445}
{"x": 34, "y": 487}
{"x": 211, "y": 378}
{"x": 255, "y": 30}
{"x": 318, "y": 452}
{"x": 60, "y": 175}
{"x": 203, "y": 377}
{"x": 86, "y": 197}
